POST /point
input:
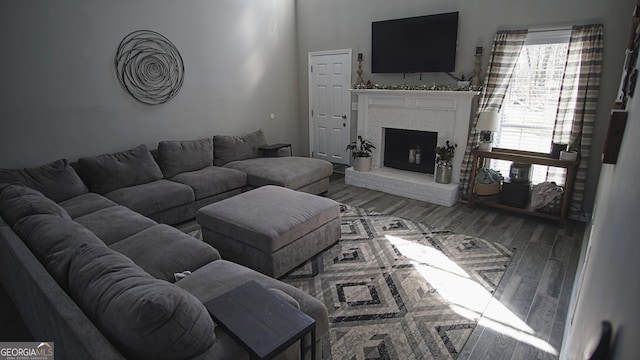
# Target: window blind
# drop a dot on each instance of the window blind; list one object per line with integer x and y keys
{"x": 529, "y": 110}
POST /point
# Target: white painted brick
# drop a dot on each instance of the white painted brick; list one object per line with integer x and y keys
{"x": 404, "y": 183}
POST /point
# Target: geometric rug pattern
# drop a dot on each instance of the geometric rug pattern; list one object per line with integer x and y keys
{"x": 397, "y": 289}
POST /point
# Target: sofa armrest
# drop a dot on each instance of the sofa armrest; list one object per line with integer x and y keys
{"x": 276, "y": 150}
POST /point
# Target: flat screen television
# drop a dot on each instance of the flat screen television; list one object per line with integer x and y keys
{"x": 417, "y": 44}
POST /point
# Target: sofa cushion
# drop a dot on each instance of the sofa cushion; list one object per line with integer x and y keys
{"x": 162, "y": 251}
{"x": 212, "y": 180}
{"x": 145, "y": 318}
{"x": 292, "y": 172}
{"x": 53, "y": 240}
{"x": 153, "y": 197}
{"x": 231, "y": 148}
{"x": 56, "y": 180}
{"x": 108, "y": 172}
{"x": 115, "y": 223}
{"x": 85, "y": 204}
{"x": 175, "y": 157}
{"x": 18, "y": 201}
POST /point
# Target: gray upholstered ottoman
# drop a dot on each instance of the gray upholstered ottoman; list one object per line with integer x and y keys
{"x": 270, "y": 229}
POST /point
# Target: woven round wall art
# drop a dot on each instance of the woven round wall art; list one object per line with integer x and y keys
{"x": 149, "y": 67}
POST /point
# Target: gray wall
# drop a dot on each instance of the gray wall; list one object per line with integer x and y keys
{"x": 338, "y": 24}
{"x": 60, "y": 97}
{"x": 611, "y": 288}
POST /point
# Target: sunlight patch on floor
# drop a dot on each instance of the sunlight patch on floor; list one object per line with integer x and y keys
{"x": 467, "y": 297}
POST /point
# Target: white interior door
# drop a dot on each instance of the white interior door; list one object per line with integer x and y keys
{"x": 329, "y": 102}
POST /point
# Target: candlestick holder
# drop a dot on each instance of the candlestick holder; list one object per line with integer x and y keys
{"x": 475, "y": 81}
{"x": 360, "y": 72}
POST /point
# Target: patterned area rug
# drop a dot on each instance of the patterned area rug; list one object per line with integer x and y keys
{"x": 396, "y": 289}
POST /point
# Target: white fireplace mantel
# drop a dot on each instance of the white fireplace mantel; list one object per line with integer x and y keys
{"x": 446, "y": 112}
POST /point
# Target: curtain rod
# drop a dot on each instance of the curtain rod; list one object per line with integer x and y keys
{"x": 550, "y": 28}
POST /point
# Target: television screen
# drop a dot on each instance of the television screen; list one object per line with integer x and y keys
{"x": 416, "y": 44}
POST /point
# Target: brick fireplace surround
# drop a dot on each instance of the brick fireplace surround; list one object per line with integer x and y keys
{"x": 446, "y": 112}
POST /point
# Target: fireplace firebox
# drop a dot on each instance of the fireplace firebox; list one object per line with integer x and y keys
{"x": 410, "y": 150}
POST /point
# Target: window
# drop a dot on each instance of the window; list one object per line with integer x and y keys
{"x": 530, "y": 105}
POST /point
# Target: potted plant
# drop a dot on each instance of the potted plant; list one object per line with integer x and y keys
{"x": 572, "y": 152}
{"x": 444, "y": 156}
{"x": 361, "y": 153}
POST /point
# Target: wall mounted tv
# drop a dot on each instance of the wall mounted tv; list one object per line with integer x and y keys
{"x": 417, "y": 44}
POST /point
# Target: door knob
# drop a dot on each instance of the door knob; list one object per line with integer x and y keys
{"x": 344, "y": 124}
{"x": 344, "y": 116}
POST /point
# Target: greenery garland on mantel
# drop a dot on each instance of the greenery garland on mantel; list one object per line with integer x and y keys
{"x": 432, "y": 87}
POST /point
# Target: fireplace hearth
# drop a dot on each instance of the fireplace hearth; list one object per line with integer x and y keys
{"x": 410, "y": 150}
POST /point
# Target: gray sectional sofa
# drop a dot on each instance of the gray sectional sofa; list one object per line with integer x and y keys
{"x": 91, "y": 265}
{"x": 194, "y": 173}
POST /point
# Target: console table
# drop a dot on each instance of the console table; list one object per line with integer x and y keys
{"x": 527, "y": 158}
{"x": 262, "y": 323}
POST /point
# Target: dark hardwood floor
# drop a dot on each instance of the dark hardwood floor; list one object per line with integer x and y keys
{"x": 526, "y": 319}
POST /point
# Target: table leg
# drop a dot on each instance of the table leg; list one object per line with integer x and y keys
{"x": 313, "y": 343}
{"x": 472, "y": 180}
{"x": 566, "y": 199}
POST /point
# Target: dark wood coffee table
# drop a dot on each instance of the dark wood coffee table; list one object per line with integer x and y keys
{"x": 261, "y": 322}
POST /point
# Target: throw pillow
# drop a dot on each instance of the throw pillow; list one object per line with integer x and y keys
{"x": 176, "y": 157}
{"x": 109, "y": 172}
{"x": 233, "y": 148}
{"x": 56, "y": 180}
{"x": 145, "y": 318}
{"x": 18, "y": 201}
